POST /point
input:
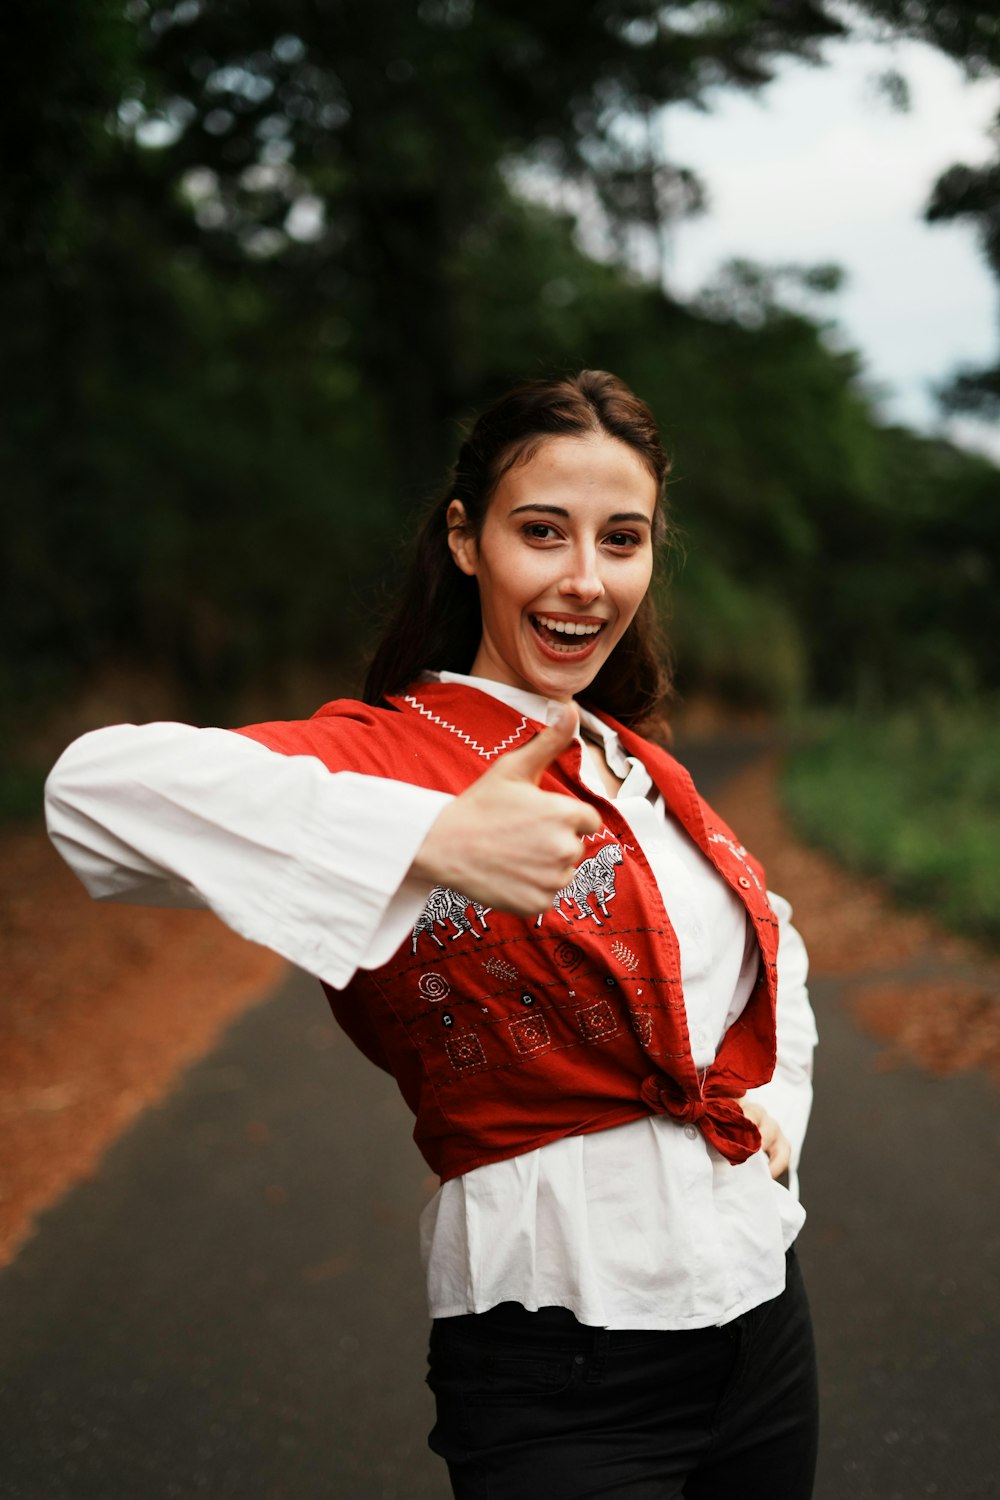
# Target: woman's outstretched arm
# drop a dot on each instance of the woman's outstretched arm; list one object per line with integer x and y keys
{"x": 311, "y": 863}
{"x": 329, "y": 869}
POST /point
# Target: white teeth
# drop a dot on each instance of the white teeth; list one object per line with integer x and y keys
{"x": 567, "y": 627}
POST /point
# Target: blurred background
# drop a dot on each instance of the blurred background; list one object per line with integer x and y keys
{"x": 261, "y": 262}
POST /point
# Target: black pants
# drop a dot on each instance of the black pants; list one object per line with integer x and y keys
{"x": 536, "y": 1406}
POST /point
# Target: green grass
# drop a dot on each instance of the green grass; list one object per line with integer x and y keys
{"x": 914, "y": 798}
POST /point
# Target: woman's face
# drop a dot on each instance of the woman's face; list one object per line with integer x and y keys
{"x": 563, "y": 561}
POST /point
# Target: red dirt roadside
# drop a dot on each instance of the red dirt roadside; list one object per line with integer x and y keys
{"x": 102, "y": 1006}
{"x": 932, "y": 997}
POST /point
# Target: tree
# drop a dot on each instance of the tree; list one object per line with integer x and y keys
{"x": 289, "y": 259}
{"x": 358, "y": 145}
{"x": 973, "y": 193}
{"x": 969, "y": 33}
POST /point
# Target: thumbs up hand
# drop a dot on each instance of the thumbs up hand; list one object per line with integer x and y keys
{"x": 504, "y": 841}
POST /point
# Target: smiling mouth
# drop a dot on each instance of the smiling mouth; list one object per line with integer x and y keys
{"x": 567, "y": 637}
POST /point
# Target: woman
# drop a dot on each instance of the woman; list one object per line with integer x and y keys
{"x": 480, "y": 867}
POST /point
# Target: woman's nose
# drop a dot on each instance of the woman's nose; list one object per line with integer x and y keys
{"x": 583, "y": 580}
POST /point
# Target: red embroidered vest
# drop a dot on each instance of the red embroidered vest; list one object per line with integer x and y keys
{"x": 505, "y": 1034}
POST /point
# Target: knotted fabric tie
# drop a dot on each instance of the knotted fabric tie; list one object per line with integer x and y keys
{"x": 718, "y": 1116}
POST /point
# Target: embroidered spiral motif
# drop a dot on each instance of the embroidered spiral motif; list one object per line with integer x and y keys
{"x": 624, "y": 955}
{"x": 567, "y": 955}
{"x": 433, "y": 987}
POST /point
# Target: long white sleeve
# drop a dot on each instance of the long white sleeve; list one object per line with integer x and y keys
{"x": 788, "y": 1095}
{"x": 308, "y": 862}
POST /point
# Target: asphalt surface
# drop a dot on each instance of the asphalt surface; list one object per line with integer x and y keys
{"x": 232, "y": 1306}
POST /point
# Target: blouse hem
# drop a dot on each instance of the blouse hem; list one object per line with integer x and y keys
{"x": 640, "y": 1323}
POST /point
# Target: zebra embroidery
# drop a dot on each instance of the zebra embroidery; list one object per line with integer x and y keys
{"x": 594, "y": 877}
{"x": 445, "y": 905}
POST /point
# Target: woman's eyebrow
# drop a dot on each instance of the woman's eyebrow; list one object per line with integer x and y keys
{"x": 560, "y": 510}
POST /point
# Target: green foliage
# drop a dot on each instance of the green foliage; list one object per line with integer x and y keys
{"x": 206, "y": 501}
{"x": 913, "y": 797}
{"x": 734, "y": 640}
{"x": 393, "y": 121}
{"x": 973, "y": 194}
{"x": 874, "y": 549}
{"x": 967, "y": 30}
{"x": 70, "y": 64}
{"x": 265, "y": 259}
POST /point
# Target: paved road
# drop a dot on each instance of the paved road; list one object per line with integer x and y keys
{"x": 232, "y": 1307}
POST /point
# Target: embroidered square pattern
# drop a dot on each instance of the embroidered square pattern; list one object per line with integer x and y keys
{"x": 641, "y": 1022}
{"x": 466, "y": 1050}
{"x": 597, "y": 1021}
{"x": 530, "y": 1033}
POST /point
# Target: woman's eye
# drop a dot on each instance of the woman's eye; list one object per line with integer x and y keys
{"x": 618, "y": 541}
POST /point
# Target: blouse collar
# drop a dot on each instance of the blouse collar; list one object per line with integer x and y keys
{"x": 546, "y": 711}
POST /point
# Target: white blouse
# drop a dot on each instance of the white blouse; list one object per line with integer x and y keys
{"x": 640, "y": 1226}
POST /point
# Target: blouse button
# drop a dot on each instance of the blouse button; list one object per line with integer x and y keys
{"x": 690, "y": 1132}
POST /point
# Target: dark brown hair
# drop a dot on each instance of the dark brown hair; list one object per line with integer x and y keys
{"x": 437, "y": 623}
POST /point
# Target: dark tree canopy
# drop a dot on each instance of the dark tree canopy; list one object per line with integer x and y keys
{"x": 261, "y": 259}
{"x": 393, "y": 124}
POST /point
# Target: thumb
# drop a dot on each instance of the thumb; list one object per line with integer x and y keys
{"x": 528, "y": 763}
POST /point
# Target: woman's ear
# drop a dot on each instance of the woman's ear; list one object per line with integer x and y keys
{"x": 461, "y": 540}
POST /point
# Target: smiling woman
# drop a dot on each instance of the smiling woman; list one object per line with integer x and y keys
{"x": 553, "y": 513}
{"x": 563, "y": 561}
{"x": 521, "y": 908}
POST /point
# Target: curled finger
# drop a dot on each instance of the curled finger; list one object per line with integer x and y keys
{"x": 779, "y": 1157}
{"x": 582, "y": 818}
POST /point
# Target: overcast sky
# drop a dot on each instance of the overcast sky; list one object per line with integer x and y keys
{"x": 818, "y": 168}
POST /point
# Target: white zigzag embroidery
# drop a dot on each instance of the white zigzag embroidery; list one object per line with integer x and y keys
{"x": 605, "y": 833}
{"x": 453, "y": 729}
